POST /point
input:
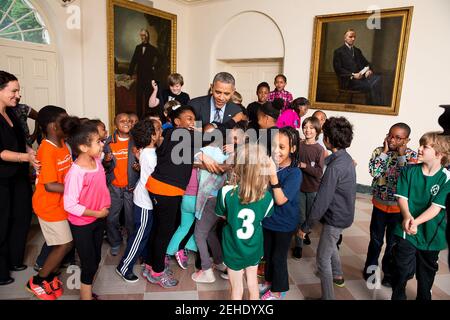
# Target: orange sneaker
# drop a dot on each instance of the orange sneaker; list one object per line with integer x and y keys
{"x": 57, "y": 287}
{"x": 42, "y": 291}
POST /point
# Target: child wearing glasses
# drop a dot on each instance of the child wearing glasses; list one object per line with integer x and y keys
{"x": 385, "y": 166}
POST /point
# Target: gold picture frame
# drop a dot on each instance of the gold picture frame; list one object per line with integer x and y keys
{"x": 126, "y": 22}
{"x": 382, "y": 37}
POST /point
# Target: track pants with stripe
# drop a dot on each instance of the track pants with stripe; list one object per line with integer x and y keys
{"x": 143, "y": 219}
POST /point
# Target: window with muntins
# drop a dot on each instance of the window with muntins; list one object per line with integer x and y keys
{"x": 20, "y": 21}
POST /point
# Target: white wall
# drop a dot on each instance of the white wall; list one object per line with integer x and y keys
{"x": 82, "y": 53}
{"x": 83, "y": 57}
{"x": 425, "y": 84}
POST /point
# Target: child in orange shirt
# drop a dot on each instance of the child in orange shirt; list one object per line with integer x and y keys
{"x": 121, "y": 179}
{"x": 56, "y": 160}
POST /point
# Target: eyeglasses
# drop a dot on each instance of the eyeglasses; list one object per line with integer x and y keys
{"x": 396, "y": 138}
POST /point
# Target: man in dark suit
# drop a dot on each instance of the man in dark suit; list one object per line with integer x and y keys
{"x": 217, "y": 107}
{"x": 146, "y": 58}
{"x": 353, "y": 70}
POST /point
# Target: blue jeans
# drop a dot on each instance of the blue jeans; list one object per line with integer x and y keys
{"x": 380, "y": 223}
{"x": 137, "y": 242}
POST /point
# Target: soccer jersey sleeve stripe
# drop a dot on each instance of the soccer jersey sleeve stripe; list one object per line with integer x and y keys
{"x": 439, "y": 205}
{"x": 400, "y": 196}
{"x": 269, "y": 207}
{"x": 225, "y": 190}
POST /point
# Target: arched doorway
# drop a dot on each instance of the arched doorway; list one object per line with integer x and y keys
{"x": 251, "y": 47}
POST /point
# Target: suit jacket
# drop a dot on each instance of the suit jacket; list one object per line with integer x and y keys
{"x": 146, "y": 63}
{"x": 345, "y": 64}
{"x": 202, "y": 107}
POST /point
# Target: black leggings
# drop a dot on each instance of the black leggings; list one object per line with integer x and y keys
{"x": 276, "y": 247}
{"x": 15, "y": 218}
{"x": 166, "y": 214}
{"x": 88, "y": 241}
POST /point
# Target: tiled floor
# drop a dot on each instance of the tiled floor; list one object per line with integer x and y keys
{"x": 304, "y": 284}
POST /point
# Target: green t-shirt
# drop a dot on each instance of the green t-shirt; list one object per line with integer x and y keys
{"x": 422, "y": 191}
{"x": 242, "y": 236}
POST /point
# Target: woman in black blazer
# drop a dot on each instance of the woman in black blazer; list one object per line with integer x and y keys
{"x": 15, "y": 187}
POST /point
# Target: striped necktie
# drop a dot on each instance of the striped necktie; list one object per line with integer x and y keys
{"x": 217, "y": 116}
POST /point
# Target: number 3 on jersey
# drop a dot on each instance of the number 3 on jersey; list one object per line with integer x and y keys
{"x": 247, "y": 229}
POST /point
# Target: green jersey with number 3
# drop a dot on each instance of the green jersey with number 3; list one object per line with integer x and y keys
{"x": 242, "y": 236}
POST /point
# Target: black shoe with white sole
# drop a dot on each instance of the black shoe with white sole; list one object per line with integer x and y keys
{"x": 130, "y": 277}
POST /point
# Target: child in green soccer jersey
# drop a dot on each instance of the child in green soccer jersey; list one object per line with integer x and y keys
{"x": 421, "y": 191}
{"x": 244, "y": 205}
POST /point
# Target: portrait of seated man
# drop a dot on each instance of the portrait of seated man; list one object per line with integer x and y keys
{"x": 354, "y": 71}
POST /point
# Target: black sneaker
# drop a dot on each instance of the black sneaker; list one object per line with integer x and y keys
{"x": 386, "y": 281}
{"x": 307, "y": 240}
{"x": 340, "y": 283}
{"x": 297, "y": 253}
{"x": 130, "y": 277}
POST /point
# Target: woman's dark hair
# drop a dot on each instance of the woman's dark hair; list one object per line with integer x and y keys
{"x": 294, "y": 141}
{"x": 5, "y": 78}
{"x": 78, "y": 132}
{"x": 142, "y": 133}
{"x": 176, "y": 111}
{"x": 339, "y": 132}
{"x": 47, "y": 115}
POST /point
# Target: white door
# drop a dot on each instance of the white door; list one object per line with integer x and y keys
{"x": 249, "y": 73}
{"x": 36, "y": 71}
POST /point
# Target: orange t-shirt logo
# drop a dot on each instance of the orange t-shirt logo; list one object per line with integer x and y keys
{"x": 119, "y": 150}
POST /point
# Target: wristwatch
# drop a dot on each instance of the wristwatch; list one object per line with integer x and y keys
{"x": 274, "y": 186}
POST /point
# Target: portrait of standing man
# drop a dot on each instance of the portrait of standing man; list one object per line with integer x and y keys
{"x": 145, "y": 60}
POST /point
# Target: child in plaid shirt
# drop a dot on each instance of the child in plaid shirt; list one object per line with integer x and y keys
{"x": 279, "y": 92}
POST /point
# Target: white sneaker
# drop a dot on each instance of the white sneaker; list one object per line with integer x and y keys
{"x": 221, "y": 267}
{"x": 204, "y": 276}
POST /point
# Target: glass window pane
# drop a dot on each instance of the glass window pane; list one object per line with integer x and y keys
{"x": 16, "y": 36}
{"x": 12, "y": 28}
{"x": 5, "y": 23}
{"x": 25, "y": 22}
{"x": 4, "y": 5}
{"x": 34, "y": 36}
{"x": 29, "y": 23}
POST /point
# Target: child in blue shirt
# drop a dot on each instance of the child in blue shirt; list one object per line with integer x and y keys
{"x": 280, "y": 227}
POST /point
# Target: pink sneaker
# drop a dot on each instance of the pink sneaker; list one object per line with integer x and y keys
{"x": 182, "y": 258}
{"x": 147, "y": 270}
{"x": 270, "y": 296}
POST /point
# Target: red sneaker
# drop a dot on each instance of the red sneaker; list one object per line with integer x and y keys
{"x": 57, "y": 287}
{"x": 42, "y": 291}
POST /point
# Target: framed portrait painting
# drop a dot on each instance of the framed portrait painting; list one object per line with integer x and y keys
{"x": 141, "y": 48}
{"x": 358, "y": 60}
